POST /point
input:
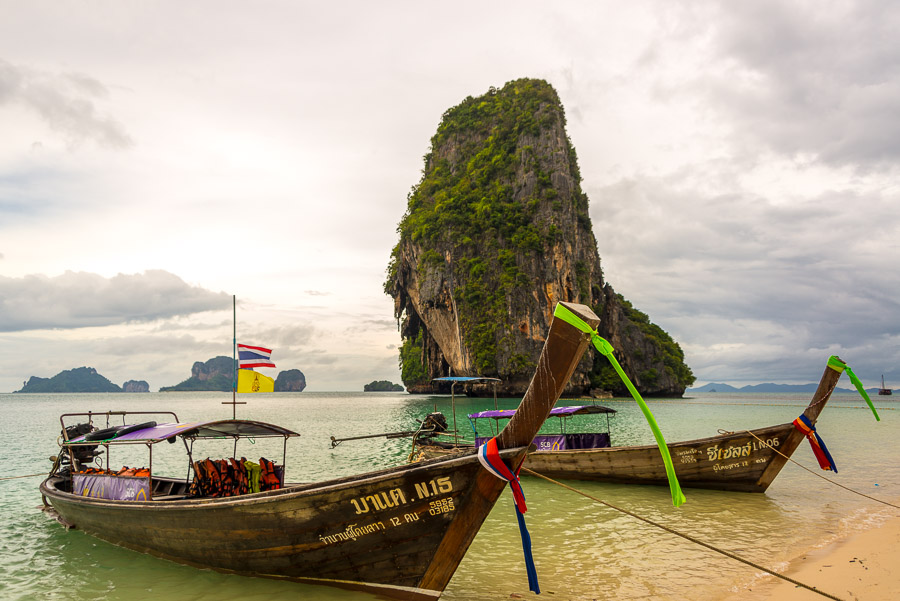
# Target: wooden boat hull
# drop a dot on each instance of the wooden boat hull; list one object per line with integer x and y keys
{"x": 380, "y": 534}
{"x": 399, "y": 532}
{"x": 741, "y": 461}
{"x": 736, "y": 462}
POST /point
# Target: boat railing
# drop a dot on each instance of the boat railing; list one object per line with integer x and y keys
{"x": 188, "y": 432}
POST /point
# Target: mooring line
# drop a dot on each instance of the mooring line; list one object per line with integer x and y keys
{"x": 818, "y": 475}
{"x": 686, "y": 537}
{"x": 25, "y": 476}
{"x": 665, "y": 402}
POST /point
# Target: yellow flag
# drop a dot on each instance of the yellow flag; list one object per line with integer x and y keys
{"x": 250, "y": 381}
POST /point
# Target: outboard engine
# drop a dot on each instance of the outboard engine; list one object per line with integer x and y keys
{"x": 435, "y": 422}
{"x": 81, "y": 455}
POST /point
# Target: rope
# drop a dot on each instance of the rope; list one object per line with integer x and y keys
{"x": 26, "y": 476}
{"x": 662, "y": 402}
{"x": 687, "y": 537}
{"x": 818, "y": 475}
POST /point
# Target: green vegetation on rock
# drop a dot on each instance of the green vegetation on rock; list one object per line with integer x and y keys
{"x": 473, "y": 208}
{"x": 670, "y": 351}
{"x": 216, "y": 374}
{"x": 80, "y": 379}
{"x": 382, "y": 386}
{"x": 412, "y": 369}
{"x": 495, "y": 233}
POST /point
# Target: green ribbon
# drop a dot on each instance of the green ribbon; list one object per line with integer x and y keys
{"x": 606, "y": 349}
{"x": 836, "y": 364}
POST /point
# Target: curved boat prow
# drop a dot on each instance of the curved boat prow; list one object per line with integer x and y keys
{"x": 826, "y": 386}
{"x": 823, "y": 392}
{"x": 563, "y": 349}
{"x": 399, "y": 532}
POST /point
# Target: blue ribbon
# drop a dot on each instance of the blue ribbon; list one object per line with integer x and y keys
{"x": 489, "y": 456}
{"x": 818, "y": 445}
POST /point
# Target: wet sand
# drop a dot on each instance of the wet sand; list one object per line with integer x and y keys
{"x": 863, "y": 567}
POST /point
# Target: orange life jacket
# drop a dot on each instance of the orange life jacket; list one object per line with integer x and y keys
{"x": 241, "y": 482}
{"x": 210, "y": 482}
{"x": 225, "y": 477}
{"x": 139, "y": 472}
{"x": 268, "y": 478}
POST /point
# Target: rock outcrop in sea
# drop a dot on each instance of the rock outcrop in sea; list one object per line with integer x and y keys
{"x": 80, "y": 379}
{"x": 495, "y": 234}
{"x": 382, "y": 386}
{"x": 135, "y": 386}
{"x": 290, "y": 380}
{"x": 216, "y": 374}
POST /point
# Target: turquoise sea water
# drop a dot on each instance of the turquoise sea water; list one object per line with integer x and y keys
{"x": 583, "y": 550}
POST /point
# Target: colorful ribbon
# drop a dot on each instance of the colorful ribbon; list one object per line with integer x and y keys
{"x": 803, "y": 424}
{"x": 489, "y": 456}
{"x": 838, "y": 365}
{"x": 606, "y": 349}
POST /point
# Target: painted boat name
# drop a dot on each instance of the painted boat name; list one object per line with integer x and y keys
{"x": 395, "y": 497}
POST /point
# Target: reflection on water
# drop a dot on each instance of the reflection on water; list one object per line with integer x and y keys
{"x": 583, "y": 550}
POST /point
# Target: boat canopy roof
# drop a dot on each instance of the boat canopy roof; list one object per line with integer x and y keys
{"x": 465, "y": 379}
{"x": 230, "y": 428}
{"x": 556, "y": 411}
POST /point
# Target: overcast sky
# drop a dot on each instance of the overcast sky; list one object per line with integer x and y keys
{"x": 741, "y": 161}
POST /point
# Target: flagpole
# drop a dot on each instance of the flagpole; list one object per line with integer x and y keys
{"x": 234, "y": 358}
{"x": 234, "y": 363}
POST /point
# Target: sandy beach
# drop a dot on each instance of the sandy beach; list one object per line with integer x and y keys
{"x": 863, "y": 567}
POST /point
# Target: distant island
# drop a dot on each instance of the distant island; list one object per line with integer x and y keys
{"x": 135, "y": 386}
{"x": 291, "y": 380}
{"x": 80, "y": 379}
{"x": 382, "y": 386}
{"x": 216, "y": 374}
{"x": 212, "y": 375}
{"x": 765, "y": 388}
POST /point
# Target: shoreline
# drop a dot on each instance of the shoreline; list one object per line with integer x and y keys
{"x": 860, "y": 567}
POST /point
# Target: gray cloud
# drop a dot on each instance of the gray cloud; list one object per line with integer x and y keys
{"x": 78, "y": 299}
{"x": 804, "y": 81}
{"x": 748, "y": 285}
{"x": 66, "y": 102}
{"x": 280, "y": 339}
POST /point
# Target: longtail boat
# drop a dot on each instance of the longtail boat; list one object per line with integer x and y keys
{"x": 399, "y": 532}
{"x": 744, "y": 461}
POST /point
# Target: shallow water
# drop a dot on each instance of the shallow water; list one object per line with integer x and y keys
{"x": 582, "y": 549}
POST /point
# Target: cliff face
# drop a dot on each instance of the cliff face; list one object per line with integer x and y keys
{"x": 217, "y": 366}
{"x": 495, "y": 234}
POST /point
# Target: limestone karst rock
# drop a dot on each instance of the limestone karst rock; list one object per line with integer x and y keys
{"x": 291, "y": 380}
{"x": 495, "y": 233}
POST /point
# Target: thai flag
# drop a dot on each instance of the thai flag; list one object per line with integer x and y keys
{"x": 254, "y": 356}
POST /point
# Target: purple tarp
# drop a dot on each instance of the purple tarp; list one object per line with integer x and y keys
{"x": 564, "y": 442}
{"x": 102, "y": 486}
{"x": 556, "y": 411}
{"x": 551, "y": 442}
{"x": 209, "y": 429}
